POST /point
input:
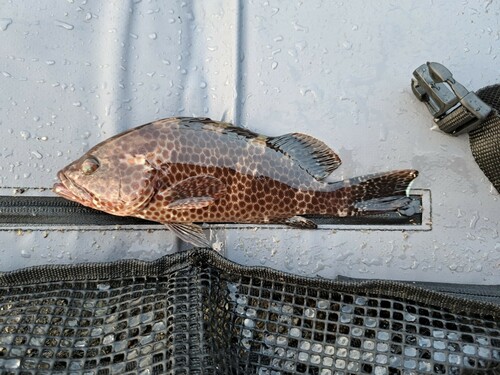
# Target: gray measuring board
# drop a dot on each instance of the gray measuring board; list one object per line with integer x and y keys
{"x": 75, "y": 73}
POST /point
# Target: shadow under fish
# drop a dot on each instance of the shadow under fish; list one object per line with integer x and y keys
{"x": 181, "y": 171}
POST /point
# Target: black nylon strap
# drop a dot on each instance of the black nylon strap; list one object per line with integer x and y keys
{"x": 454, "y": 120}
{"x": 485, "y": 141}
{"x": 456, "y": 110}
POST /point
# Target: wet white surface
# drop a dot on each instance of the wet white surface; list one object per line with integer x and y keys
{"x": 76, "y": 72}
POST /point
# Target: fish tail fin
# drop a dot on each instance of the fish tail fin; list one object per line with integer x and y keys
{"x": 376, "y": 193}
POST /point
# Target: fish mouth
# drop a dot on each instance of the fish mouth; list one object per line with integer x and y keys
{"x": 67, "y": 189}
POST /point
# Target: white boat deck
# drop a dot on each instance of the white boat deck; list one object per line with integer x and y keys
{"x": 74, "y": 73}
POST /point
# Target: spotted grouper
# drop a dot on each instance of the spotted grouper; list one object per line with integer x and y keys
{"x": 182, "y": 171}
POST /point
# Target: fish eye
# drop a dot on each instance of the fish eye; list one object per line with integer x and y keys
{"x": 89, "y": 165}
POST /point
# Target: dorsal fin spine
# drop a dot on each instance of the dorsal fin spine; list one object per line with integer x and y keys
{"x": 310, "y": 153}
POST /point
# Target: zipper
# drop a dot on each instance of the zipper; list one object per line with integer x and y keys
{"x": 48, "y": 212}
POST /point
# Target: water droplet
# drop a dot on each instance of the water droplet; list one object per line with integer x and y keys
{"x": 278, "y": 38}
{"x": 108, "y": 339}
{"x": 299, "y": 27}
{"x": 310, "y": 313}
{"x": 36, "y": 154}
{"x": 25, "y": 134}
{"x": 11, "y": 363}
{"x": 274, "y": 65}
{"x": 347, "y": 45}
{"x": 249, "y": 323}
{"x": 88, "y": 16}
{"x": 300, "y": 46}
{"x": 85, "y": 135}
{"x": 64, "y": 25}
{"x": 77, "y": 104}
{"x": 473, "y": 221}
{"x": 25, "y": 254}
{"x": 383, "y": 133}
{"x": 133, "y": 36}
{"x": 103, "y": 287}
{"x": 50, "y": 62}
{"x": 6, "y": 74}
{"x": 153, "y": 36}
{"x": 5, "y": 23}
{"x": 96, "y": 332}
{"x": 203, "y": 85}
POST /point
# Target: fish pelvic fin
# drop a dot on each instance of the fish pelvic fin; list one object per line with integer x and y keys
{"x": 311, "y": 154}
{"x": 299, "y": 222}
{"x": 190, "y": 233}
{"x": 376, "y": 193}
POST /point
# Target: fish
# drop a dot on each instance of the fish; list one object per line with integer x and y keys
{"x": 183, "y": 171}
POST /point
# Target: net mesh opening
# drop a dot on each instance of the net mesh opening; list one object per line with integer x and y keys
{"x": 197, "y": 313}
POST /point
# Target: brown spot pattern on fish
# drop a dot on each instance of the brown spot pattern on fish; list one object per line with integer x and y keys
{"x": 180, "y": 171}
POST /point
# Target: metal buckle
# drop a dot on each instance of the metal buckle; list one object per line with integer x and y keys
{"x": 442, "y": 94}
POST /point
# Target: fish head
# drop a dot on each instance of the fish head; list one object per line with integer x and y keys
{"x": 109, "y": 178}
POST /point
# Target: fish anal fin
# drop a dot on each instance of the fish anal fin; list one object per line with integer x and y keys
{"x": 311, "y": 154}
{"x": 299, "y": 222}
{"x": 190, "y": 233}
{"x": 193, "y": 192}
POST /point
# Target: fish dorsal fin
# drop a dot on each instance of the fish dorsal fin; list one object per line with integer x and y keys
{"x": 314, "y": 156}
{"x": 218, "y": 126}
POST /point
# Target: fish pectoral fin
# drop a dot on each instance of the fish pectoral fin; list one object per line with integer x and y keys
{"x": 298, "y": 222}
{"x": 194, "y": 192}
{"x": 190, "y": 203}
{"x": 314, "y": 156}
{"x": 190, "y": 233}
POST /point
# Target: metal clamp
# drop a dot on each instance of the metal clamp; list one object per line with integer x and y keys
{"x": 455, "y": 109}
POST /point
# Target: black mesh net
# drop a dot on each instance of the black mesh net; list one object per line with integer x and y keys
{"x": 196, "y": 313}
